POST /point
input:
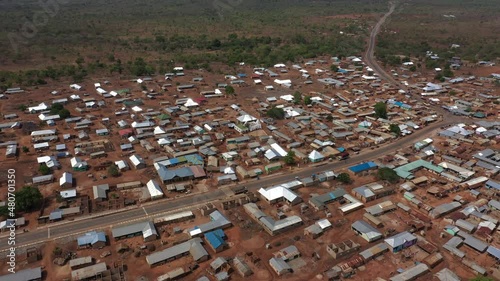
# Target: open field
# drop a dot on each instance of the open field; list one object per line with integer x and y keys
{"x": 420, "y": 26}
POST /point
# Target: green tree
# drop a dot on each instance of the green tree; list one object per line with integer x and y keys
{"x": 413, "y": 68}
{"x": 297, "y": 97}
{"x": 276, "y": 113}
{"x": 229, "y": 90}
{"x": 4, "y": 211}
{"x": 448, "y": 73}
{"x": 64, "y": 113}
{"x": 55, "y": 108}
{"x": 25, "y": 149}
{"x": 387, "y": 174}
{"x": 113, "y": 171}
{"x": 344, "y": 178}
{"x": 289, "y": 158}
{"x": 394, "y": 128}
{"x": 329, "y": 118}
{"x": 334, "y": 68}
{"x": 28, "y": 199}
{"x": 381, "y": 110}
{"x": 22, "y": 107}
{"x": 43, "y": 169}
{"x": 307, "y": 100}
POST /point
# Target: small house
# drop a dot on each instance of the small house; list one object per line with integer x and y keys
{"x": 66, "y": 180}
{"x": 137, "y": 161}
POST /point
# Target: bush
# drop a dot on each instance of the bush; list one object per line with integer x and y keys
{"x": 113, "y": 171}
{"x": 387, "y": 174}
{"x": 381, "y": 110}
{"x": 229, "y": 90}
{"x": 307, "y": 100}
{"x": 344, "y": 178}
{"x": 64, "y": 113}
{"x": 289, "y": 158}
{"x": 394, "y": 128}
{"x": 43, "y": 169}
{"x": 276, "y": 113}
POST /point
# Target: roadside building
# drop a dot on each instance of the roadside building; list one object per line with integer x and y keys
{"x": 146, "y": 229}
{"x": 93, "y": 239}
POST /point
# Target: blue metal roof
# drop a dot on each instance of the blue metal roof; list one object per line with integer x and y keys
{"x": 91, "y": 238}
{"x": 362, "y": 167}
{"x": 494, "y": 252}
{"x": 214, "y": 240}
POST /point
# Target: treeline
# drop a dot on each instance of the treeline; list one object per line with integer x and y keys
{"x": 194, "y": 52}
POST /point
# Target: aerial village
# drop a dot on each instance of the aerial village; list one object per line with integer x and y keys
{"x": 185, "y": 176}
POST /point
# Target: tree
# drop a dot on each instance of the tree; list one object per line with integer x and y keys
{"x": 297, "y": 97}
{"x": 387, "y": 174}
{"x": 4, "y": 211}
{"x": 307, "y": 100}
{"x": 22, "y": 107}
{"x": 25, "y": 149}
{"x": 113, "y": 171}
{"x": 276, "y": 113}
{"x": 344, "y": 178}
{"x": 289, "y": 158}
{"x": 28, "y": 199}
{"x": 381, "y": 110}
{"x": 64, "y": 113}
{"x": 413, "y": 68}
{"x": 229, "y": 90}
{"x": 43, "y": 169}
{"x": 394, "y": 128}
{"x": 334, "y": 68}
{"x": 329, "y": 118}
{"x": 56, "y": 108}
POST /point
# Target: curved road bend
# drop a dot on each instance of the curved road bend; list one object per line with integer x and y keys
{"x": 68, "y": 228}
{"x": 101, "y": 222}
{"x": 372, "y": 62}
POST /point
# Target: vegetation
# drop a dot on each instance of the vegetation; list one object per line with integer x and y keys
{"x": 43, "y": 169}
{"x": 28, "y": 199}
{"x": 59, "y": 109}
{"x": 381, "y": 110}
{"x": 344, "y": 178}
{"x": 25, "y": 149}
{"x": 297, "y": 97}
{"x": 307, "y": 100}
{"x": 276, "y": 113}
{"x": 394, "y": 128}
{"x": 387, "y": 174}
{"x": 4, "y": 211}
{"x": 334, "y": 68}
{"x": 113, "y": 171}
{"x": 230, "y": 90}
{"x": 482, "y": 278}
{"x": 22, "y": 107}
{"x": 189, "y": 33}
{"x": 470, "y": 28}
{"x": 289, "y": 158}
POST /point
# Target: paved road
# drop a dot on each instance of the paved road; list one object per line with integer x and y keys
{"x": 186, "y": 203}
